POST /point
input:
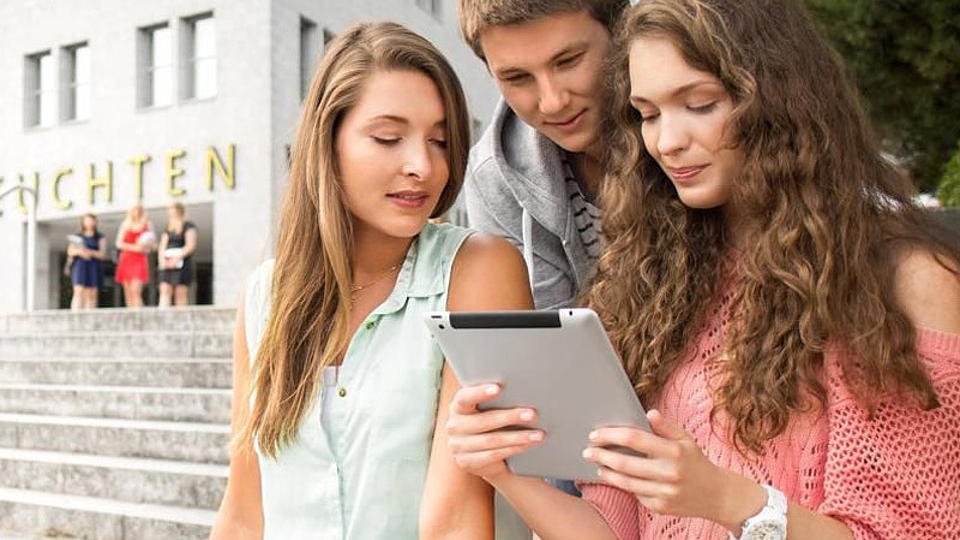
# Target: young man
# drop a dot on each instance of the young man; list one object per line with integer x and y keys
{"x": 534, "y": 175}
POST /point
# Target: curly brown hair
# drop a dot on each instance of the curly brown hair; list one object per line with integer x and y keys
{"x": 825, "y": 215}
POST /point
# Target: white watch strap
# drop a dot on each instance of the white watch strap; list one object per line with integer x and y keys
{"x": 771, "y": 522}
{"x": 777, "y": 500}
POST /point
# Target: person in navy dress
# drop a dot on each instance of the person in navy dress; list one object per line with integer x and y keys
{"x": 87, "y": 249}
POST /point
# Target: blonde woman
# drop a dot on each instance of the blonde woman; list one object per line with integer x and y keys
{"x": 134, "y": 240}
{"x": 175, "y": 257}
{"x": 337, "y": 381}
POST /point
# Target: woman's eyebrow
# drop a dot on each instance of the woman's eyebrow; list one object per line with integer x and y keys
{"x": 442, "y": 123}
{"x": 636, "y": 99}
{"x": 389, "y": 118}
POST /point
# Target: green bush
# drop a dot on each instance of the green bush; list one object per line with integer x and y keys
{"x": 949, "y": 190}
{"x": 905, "y": 57}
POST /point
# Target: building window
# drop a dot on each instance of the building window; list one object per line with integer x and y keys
{"x": 199, "y": 51}
{"x": 156, "y": 66}
{"x": 75, "y": 71}
{"x": 431, "y": 6}
{"x": 309, "y": 46}
{"x": 40, "y": 92}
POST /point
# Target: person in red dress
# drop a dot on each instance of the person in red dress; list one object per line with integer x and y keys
{"x": 133, "y": 241}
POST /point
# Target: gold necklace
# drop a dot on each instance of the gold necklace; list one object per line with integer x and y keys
{"x": 354, "y": 289}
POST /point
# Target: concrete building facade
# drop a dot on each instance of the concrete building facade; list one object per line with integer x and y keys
{"x": 110, "y": 103}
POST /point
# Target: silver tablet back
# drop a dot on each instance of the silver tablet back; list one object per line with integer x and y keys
{"x": 560, "y": 363}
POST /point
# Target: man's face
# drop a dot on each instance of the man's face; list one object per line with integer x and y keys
{"x": 549, "y": 71}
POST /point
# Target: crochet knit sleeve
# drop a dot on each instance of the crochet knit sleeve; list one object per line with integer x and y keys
{"x": 897, "y": 474}
{"x": 619, "y": 509}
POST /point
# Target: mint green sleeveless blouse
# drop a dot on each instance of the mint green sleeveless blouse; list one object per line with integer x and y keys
{"x": 360, "y": 474}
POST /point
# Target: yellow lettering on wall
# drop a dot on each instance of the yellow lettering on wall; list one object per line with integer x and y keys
{"x": 21, "y": 204}
{"x": 173, "y": 172}
{"x": 55, "y": 188}
{"x": 137, "y": 162}
{"x": 214, "y": 161}
{"x": 93, "y": 182}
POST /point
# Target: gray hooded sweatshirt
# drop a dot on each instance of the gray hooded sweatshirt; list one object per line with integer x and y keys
{"x": 515, "y": 188}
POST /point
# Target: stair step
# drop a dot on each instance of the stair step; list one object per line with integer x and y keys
{"x": 114, "y": 423}
{"x": 115, "y": 344}
{"x": 132, "y": 402}
{"x": 153, "y": 481}
{"x": 154, "y": 371}
{"x": 185, "y": 441}
{"x": 52, "y": 514}
{"x": 196, "y": 318}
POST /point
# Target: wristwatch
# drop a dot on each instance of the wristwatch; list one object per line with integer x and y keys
{"x": 770, "y": 523}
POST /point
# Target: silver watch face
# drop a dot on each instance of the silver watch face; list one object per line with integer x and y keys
{"x": 765, "y": 530}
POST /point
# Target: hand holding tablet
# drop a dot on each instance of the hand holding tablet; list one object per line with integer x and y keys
{"x": 556, "y": 368}
{"x": 480, "y": 440}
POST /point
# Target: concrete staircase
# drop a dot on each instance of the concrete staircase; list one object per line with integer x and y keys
{"x": 114, "y": 424}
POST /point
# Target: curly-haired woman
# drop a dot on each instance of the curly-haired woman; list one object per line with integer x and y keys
{"x": 788, "y": 316}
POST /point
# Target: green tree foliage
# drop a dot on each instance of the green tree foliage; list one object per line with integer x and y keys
{"x": 904, "y": 56}
{"x": 949, "y": 192}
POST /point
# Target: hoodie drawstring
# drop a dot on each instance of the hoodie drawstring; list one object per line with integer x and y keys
{"x": 527, "y": 227}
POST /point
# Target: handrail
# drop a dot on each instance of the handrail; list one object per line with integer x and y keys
{"x": 12, "y": 189}
{"x": 29, "y": 294}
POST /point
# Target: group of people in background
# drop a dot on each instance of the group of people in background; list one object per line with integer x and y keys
{"x": 135, "y": 240}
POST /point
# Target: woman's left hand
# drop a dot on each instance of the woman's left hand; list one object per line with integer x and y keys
{"x": 674, "y": 477}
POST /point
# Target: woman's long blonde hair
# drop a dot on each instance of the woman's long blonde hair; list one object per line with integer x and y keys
{"x": 307, "y": 328}
{"x": 181, "y": 213}
{"x": 825, "y": 217}
{"x": 135, "y": 216}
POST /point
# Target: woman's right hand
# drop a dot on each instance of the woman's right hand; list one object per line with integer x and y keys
{"x": 478, "y": 440}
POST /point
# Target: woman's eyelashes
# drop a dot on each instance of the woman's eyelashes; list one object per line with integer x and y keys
{"x": 392, "y": 141}
{"x": 648, "y": 116}
{"x": 385, "y": 141}
{"x": 703, "y": 109}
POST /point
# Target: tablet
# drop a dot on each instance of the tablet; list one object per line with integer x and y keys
{"x": 559, "y": 362}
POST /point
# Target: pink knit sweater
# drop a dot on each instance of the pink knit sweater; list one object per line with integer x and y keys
{"x": 896, "y": 476}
